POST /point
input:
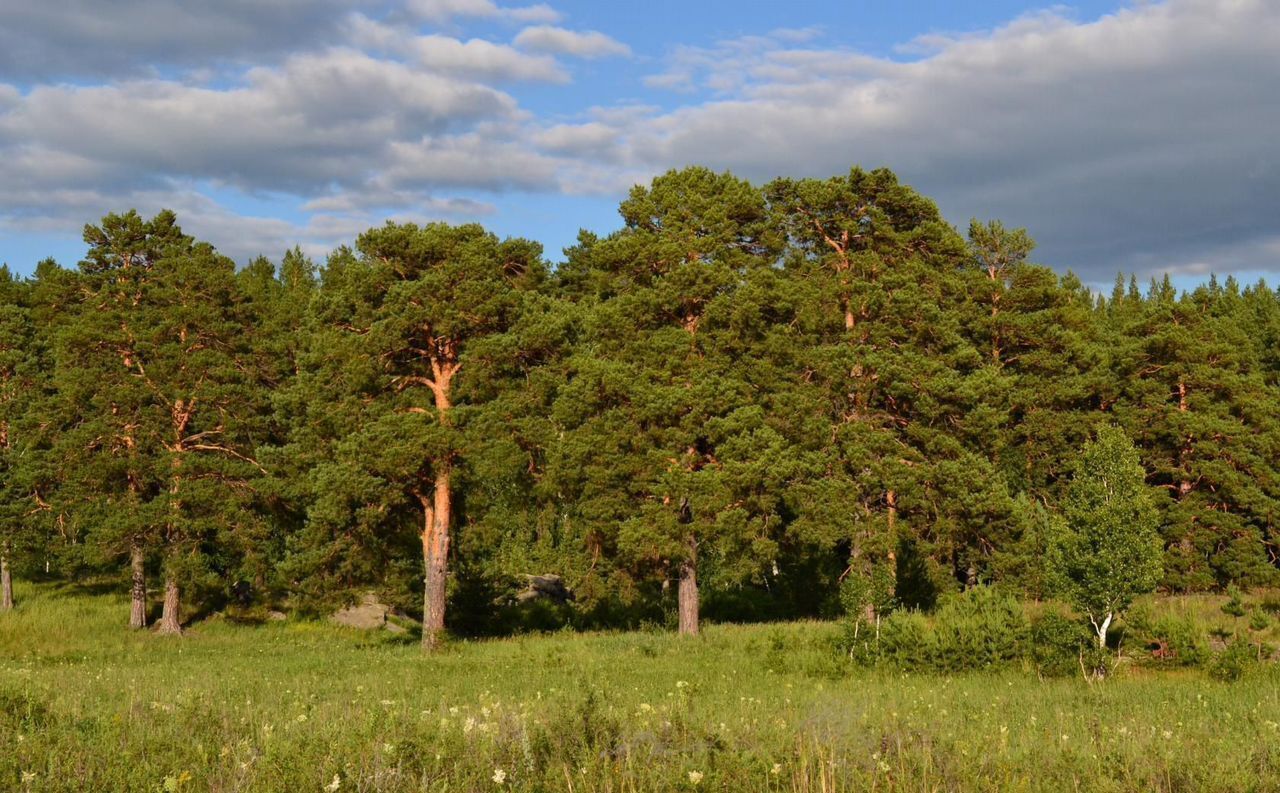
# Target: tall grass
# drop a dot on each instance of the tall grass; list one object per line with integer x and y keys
{"x": 299, "y": 707}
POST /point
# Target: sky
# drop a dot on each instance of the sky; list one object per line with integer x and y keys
{"x": 1134, "y": 137}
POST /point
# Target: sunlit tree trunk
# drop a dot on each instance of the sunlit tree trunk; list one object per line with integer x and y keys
{"x": 138, "y": 588}
{"x": 435, "y": 558}
{"x": 687, "y": 595}
{"x": 6, "y": 585}
{"x": 171, "y": 617}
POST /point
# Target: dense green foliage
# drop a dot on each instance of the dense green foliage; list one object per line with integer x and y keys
{"x": 748, "y": 402}
{"x": 1105, "y": 551}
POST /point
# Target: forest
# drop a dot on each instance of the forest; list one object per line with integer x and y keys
{"x": 745, "y": 404}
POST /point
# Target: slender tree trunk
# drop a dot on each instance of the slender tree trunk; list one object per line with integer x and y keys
{"x": 6, "y": 585}
{"x": 171, "y": 617}
{"x": 435, "y": 560}
{"x": 138, "y": 588}
{"x": 1184, "y": 486}
{"x": 1102, "y": 631}
{"x": 687, "y": 596}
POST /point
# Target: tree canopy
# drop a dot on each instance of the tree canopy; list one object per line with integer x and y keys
{"x": 741, "y": 403}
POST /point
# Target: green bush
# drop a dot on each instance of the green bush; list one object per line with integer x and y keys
{"x": 1258, "y": 621}
{"x": 1168, "y": 640}
{"x": 1059, "y": 645}
{"x": 978, "y": 629}
{"x": 907, "y": 641}
{"x": 1234, "y": 662}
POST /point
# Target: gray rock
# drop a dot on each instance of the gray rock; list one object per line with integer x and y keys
{"x": 544, "y": 586}
{"x": 368, "y": 614}
{"x": 277, "y": 616}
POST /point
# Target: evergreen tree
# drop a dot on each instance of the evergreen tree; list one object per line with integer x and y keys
{"x": 395, "y": 336}
{"x": 1195, "y": 397}
{"x": 887, "y": 357}
{"x": 158, "y": 362}
{"x": 18, "y": 384}
{"x": 669, "y": 460}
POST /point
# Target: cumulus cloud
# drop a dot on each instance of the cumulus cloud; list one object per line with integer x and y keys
{"x": 1141, "y": 140}
{"x": 580, "y": 44}
{"x": 445, "y": 10}
{"x": 475, "y": 58}
{"x": 319, "y": 119}
{"x": 1135, "y": 141}
{"x": 60, "y": 39}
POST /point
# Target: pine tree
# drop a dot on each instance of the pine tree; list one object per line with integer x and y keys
{"x": 156, "y": 362}
{"x": 18, "y": 387}
{"x": 1195, "y": 397}
{"x": 395, "y": 333}
{"x": 888, "y": 358}
{"x": 665, "y": 453}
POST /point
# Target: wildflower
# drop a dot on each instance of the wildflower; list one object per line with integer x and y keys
{"x": 301, "y": 718}
{"x": 681, "y": 684}
{"x": 884, "y": 767}
{"x": 389, "y": 748}
{"x": 333, "y": 785}
{"x": 499, "y": 776}
{"x": 777, "y": 769}
{"x": 28, "y": 777}
{"x": 695, "y": 777}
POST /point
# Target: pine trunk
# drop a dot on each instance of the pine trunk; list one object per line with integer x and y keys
{"x": 1184, "y": 486}
{"x": 6, "y": 585}
{"x": 138, "y": 589}
{"x": 171, "y": 617}
{"x": 435, "y": 558}
{"x": 687, "y": 596}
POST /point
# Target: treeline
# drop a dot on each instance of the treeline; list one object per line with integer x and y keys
{"x": 740, "y": 402}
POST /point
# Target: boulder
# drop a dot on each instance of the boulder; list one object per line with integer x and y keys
{"x": 368, "y": 614}
{"x": 551, "y": 587}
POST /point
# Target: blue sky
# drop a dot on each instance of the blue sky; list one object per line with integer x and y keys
{"x": 1128, "y": 137}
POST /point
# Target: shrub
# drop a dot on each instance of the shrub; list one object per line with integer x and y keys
{"x": 1234, "y": 662}
{"x": 1258, "y": 621}
{"x": 1057, "y": 645}
{"x": 1234, "y": 606}
{"x": 978, "y": 629}
{"x": 906, "y": 642}
{"x": 1167, "y": 640}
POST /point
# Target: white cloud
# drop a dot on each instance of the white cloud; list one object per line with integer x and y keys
{"x": 476, "y": 58}
{"x": 90, "y": 38}
{"x": 580, "y": 44}
{"x": 1140, "y": 140}
{"x": 445, "y": 10}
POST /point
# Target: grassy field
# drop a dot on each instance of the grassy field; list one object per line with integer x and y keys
{"x": 303, "y": 707}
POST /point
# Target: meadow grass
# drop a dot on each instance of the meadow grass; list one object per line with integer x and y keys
{"x": 303, "y": 706}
